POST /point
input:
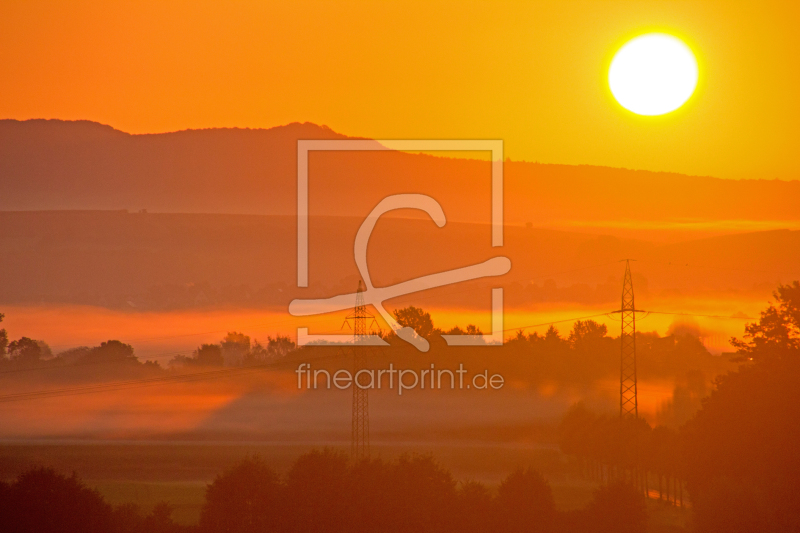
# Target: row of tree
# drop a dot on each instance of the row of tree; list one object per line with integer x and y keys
{"x": 28, "y": 352}
{"x": 236, "y": 349}
{"x": 585, "y": 354}
{"x": 626, "y": 449}
{"x": 324, "y": 491}
{"x": 42, "y": 500}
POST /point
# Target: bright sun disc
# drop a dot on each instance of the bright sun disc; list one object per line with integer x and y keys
{"x": 653, "y": 74}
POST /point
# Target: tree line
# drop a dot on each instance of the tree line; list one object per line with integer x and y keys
{"x": 626, "y": 449}
{"x": 325, "y": 491}
{"x": 584, "y": 354}
{"x": 738, "y": 455}
{"x": 234, "y": 349}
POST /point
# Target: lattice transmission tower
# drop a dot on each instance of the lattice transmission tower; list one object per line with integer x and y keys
{"x": 628, "y": 400}
{"x": 359, "y": 319}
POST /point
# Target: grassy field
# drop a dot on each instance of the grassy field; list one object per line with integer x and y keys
{"x": 148, "y": 473}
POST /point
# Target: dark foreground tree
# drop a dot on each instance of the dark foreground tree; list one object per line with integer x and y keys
{"x": 475, "y": 510}
{"x": 424, "y": 492}
{"x": 525, "y": 502}
{"x": 44, "y": 501}
{"x": 617, "y": 508}
{"x": 316, "y": 491}
{"x": 743, "y": 469}
{"x": 244, "y": 499}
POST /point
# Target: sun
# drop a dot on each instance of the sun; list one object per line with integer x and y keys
{"x": 653, "y": 74}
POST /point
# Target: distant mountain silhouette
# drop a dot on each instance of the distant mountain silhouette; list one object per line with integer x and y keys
{"x": 54, "y": 164}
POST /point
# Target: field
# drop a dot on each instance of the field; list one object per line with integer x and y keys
{"x": 148, "y": 473}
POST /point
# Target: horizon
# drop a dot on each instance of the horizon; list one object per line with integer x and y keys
{"x": 518, "y": 78}
{"x": 328, "y": 128}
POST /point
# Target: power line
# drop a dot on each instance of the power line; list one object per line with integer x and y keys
{"x": 408, "y": 297}
{"x": 556, "y": 322}
{"x": 206, "y": 375}
{"x": 213, "y": 374}
{"x": 519, "y": 328}
{"x": 607, "y": 315}
{"x": 143, "y": 339}
{"x": 290, "y": 321}
{"x": 680, "y": 264}
{"x": 732, "y": 317}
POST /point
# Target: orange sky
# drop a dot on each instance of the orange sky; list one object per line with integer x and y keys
{"x": 531, "y": 73}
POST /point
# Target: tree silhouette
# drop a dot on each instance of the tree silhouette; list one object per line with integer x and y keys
{"x": 552, "y": 342}
{"x": 617, "y": 508}
{"x": 112, "y": 351}
{"x": 316, "y": 492}
{"x": 235, "y": 347}
{"x": 415, "y": 318}
{"x": 44, "y": 501}
{"x": 743, "y": 468}
{"x": 777, "y": 333}
{"x": 25, "y": 351}
{"x": 586, "y": 335}
{"x": 160, "y": 520}
{"x": 208, "y": 355}
{"x": 475, "y": 510}
{"x": 526, "y": 502}
{"x": 424, "y": 492}
{"x": 279, "y": 347}
{"x": 3, "y": 339}
{"x": 244, "y": 499}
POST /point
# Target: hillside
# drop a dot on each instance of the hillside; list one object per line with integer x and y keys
{"x": 52, "y": 164}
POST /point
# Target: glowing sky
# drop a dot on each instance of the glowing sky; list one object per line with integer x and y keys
{"x": 531, "y": 73}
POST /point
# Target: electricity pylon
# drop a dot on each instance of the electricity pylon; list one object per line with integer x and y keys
{"x": 628, "y": 400}
{"x": 359, "y": 447}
